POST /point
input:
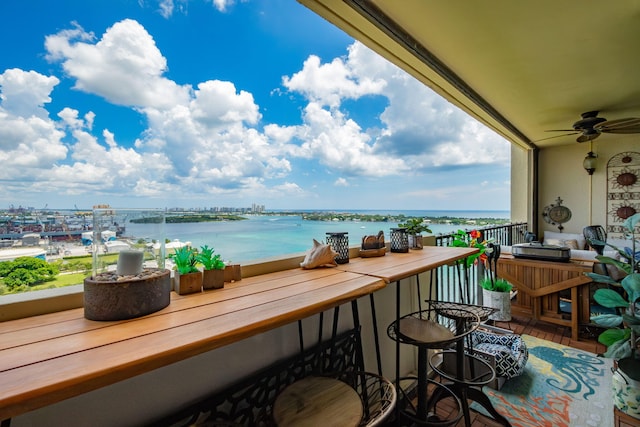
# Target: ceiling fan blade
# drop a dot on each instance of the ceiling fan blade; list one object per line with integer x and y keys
{"x": 561, "y": 130}
{"x": 628, "y": 125}
{"x": 556, "y": 136}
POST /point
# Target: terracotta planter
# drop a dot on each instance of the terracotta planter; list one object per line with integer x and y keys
{"x": 188, "y": 283}
{"x": 121, "y": 299}
{"x": 500, "y": 301}
{"x": 212, "y": 279}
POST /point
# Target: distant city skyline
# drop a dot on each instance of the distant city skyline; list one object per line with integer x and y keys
{"x": 193, "y": 103}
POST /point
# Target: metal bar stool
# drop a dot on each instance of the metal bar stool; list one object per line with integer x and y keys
{"x": 432, "y": 328}
{"x": 471, "y": 372}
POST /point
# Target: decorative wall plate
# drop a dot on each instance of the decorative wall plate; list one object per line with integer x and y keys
{"x": 623, "y": 191}
{"x": 556, "y": 214}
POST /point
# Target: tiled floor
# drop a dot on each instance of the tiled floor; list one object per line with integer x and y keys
{"x": 547, "y": 331}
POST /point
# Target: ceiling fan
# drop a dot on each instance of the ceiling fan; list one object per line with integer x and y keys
{"x": 591, "y": 126}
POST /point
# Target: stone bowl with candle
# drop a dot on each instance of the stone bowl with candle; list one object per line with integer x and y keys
{"x": 130, "y": 291}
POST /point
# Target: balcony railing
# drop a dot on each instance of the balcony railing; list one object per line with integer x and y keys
{"x": 454, "y": 282}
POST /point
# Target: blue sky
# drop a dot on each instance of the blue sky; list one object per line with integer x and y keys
{"x": 165, "y": 103}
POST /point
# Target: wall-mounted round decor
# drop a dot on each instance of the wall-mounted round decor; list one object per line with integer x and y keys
{"x": 556, "y": 214}
{"x": 623, "y": 191}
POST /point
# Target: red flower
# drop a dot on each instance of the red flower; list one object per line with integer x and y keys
{"x": 475, "y": 234}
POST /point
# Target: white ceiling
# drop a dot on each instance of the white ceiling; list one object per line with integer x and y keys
{"x": 537, "y": 65}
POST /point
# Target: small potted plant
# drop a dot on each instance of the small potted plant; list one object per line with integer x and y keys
{"x": 187, "y": 277}
{"x": 415, "y": 227}
{"x": 623, "y": 334}
{"x": 496, "y": 293}
{"x": 213, "y": 268}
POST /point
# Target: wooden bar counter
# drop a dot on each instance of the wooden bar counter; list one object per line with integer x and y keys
{"x": 397, "y": 266}
{"x": 49, "y": 358}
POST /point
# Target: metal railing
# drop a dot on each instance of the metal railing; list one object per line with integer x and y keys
{"x": 459, "y": 284}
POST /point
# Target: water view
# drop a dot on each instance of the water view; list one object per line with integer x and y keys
{"x": 264, "y": 236}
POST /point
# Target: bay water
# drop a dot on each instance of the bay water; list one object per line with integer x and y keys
{"x": 264, "y": 236}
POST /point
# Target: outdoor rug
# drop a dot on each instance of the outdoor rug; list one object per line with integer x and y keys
{"x": 561, "y": 386}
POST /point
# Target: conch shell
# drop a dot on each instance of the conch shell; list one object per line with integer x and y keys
{"x": 320, "y": 254}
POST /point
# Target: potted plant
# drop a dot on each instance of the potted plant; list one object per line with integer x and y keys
{"x": 213, "y": 268}
{"x": 496, "y": 293}
{"x": 623, "y": 334}
{"x": 415, "y": 227}
{"x": 187, "y": 277}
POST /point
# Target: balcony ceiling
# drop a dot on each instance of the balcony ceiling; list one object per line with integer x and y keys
{"x": 522, "y": 68}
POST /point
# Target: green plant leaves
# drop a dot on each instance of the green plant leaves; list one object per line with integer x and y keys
{"x": 607, "y": 320}
{"x": 609, "y": 298}
{"x": 185, "y": 259}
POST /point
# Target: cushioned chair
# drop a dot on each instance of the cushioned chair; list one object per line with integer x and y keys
{"x": 507, "y": 353}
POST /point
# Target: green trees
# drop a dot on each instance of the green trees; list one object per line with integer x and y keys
{"x": 26, "y": 271}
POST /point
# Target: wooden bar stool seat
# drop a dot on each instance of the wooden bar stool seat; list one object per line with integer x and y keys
{"x": 345, "y": 399}
{"x": 316, "y": 401}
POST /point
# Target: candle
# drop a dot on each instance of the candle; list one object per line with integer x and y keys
{"x": 129, "y": 263}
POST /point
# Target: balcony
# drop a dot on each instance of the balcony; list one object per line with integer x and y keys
{"x": 236, "y": 359}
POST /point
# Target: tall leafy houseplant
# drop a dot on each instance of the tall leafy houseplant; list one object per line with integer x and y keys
{"x": 188, "y": 278}
{"x": 415, "y": 227}
{"x": 623, "y": 336}
{"x": 213, "y": 265}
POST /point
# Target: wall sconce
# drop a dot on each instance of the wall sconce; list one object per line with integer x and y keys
{"x": 589, "y": 163}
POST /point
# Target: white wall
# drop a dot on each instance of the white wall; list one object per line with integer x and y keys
{"x": 562, "y": 175}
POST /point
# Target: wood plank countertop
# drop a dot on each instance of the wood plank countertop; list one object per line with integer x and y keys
{"x": 49, "y": 358}
{"x": 396, "y": 266}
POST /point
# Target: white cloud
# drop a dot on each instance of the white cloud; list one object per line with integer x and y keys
{"x": 222, "y": 5}
{"x": 29, "y": 141}
{"x": 340, "y": 144}
{"x": 124, "y": 66}
{"x": 166, "y": 8}
{"x": 211, "y": 139}
{"x": 418, "y": 129}
{"x": 328, "y": 84}
{"x": 24, "y": 93}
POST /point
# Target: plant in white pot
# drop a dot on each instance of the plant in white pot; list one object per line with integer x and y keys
{"x": 213, "y": 268}
{"x": 187, "y": 278}
{"x": 415, "y": 227}
{"x": 623, "y": 334}
{"x": 496, "y": 293}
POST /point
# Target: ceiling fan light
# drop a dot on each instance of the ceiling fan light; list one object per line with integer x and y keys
{"x": 589, "y": 163}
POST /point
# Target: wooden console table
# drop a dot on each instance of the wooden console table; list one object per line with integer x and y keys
{"x": 538, "y": 283}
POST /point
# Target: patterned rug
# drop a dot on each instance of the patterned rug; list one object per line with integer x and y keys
{"x": 560, "y": 387}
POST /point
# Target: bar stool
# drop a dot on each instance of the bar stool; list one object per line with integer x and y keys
{"x": 432, "y": 328}
{"x": 345, "y": 399}
{"x": 470, "y": 372}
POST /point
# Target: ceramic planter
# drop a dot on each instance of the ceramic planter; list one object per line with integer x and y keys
{"x": 626, "y": 389}
{"x": 212, "y": 279}
{"x": 500, "y": 301}
{"x": 188, "y": 283}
